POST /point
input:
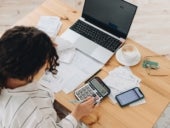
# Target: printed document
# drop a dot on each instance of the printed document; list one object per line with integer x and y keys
{"x": 121, "y": 79}
{"x": 70, "y": 75}
{"x": 50, "y": 25}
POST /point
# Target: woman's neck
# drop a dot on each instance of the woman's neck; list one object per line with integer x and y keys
{"x": 15, "y": 83}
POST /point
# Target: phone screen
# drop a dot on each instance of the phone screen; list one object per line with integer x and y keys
{"x": 129, "y": 96}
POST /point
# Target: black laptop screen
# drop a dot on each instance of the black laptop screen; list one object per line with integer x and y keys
{"x": 114, "y": 16}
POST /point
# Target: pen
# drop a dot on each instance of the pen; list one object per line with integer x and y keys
{"x": 92, "y": 76}
{"x": 75, "y": 101}
{"x": 80, "y": 101}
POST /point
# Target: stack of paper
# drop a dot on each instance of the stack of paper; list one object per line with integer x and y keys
{"x": 121, "y": 79}
{"x": 73, "y": 69}
{"x": 65, "y": 50}
{"x": 72, "y": 74}
{"x": 50, "y": 25}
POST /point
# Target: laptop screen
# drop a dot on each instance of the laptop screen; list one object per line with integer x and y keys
{"x": 114, "y": 16}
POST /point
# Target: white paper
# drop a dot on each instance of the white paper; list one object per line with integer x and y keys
{"x": 50, "y": 25}
{"x": 122, "y": 79}
{"x": 71, "y": 75}
{"x": 66, "y": 56}
{"x": 81, "y": 68}
{"x": 52, "y": 81}
{"x": 85, "y": 63}
{"x": 65, "y": 50}
{"x": 63, "y": 44}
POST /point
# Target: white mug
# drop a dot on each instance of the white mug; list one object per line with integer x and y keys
{"x": 129, "y": 53}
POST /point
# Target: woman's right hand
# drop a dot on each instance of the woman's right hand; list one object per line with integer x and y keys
{"x": 84, "y": 109}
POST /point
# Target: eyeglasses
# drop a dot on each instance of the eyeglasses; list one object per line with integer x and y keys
{"x": 153, "y": 66}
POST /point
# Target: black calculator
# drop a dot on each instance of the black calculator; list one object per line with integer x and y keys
{"x": 94, "y": 87}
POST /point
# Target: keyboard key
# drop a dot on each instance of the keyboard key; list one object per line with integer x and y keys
{"x": 96, "y": 35}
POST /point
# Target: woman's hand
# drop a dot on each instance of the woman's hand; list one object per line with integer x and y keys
{"x": 84, "y": 109}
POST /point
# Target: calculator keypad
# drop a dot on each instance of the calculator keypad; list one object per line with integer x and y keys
{"x": 84, "y": 92}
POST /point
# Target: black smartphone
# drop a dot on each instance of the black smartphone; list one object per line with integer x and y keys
{"x": 129, "y": 96}
{"x": 94, "y": 87}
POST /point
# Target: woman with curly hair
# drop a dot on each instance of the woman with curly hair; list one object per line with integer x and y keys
{"x": 25, "y": 54}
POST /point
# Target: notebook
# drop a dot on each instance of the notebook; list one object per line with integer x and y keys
{"x": 102, "y": 29}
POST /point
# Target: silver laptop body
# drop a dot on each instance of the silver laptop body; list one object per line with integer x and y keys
{"x": 113, "y": 17}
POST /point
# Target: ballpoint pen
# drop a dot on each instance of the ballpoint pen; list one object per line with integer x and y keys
{"x": 75, "y": 101}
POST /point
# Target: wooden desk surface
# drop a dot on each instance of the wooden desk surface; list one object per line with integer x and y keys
{"x": 108, "y": 115}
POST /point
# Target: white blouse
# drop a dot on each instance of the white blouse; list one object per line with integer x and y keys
{"x": 31, "y": 106}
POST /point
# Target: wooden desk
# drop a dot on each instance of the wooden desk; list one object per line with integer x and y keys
{"x": 107, "y": 115}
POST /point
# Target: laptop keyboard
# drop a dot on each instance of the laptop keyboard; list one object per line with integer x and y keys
{"x": 96, "y": 35}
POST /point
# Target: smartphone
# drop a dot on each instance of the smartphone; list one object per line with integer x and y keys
{"x": 129, "y": 96}
{"x": 94, "y": 87}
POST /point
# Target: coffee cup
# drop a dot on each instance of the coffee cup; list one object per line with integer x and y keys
{"x": 130, "y": 53}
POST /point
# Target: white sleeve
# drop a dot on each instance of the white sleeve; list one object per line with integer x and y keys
{"x": 68, "y": 122}
{"x": 37, "y": 121}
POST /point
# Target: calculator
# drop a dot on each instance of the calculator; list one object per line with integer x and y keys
{"x": 94, "y": 87}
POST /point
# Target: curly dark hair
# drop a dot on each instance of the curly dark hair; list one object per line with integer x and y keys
{"x": 23, "y": 52}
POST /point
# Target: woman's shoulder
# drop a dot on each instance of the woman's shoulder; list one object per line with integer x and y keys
{"x": 12, "y": 99}
{"x": 16, "y": 97}
{"x": 31, "y": 94}
{"x": 17, "y": 108}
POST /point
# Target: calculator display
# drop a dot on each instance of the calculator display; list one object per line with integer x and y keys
{"x": 99, "y": 87}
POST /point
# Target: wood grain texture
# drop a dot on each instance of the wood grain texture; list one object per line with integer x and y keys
{"x": 13, "y": 10}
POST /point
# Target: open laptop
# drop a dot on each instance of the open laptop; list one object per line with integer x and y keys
{"x": 102, "y": 28}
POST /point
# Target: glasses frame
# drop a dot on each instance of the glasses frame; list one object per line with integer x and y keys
{"x": 149, "y": 68}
